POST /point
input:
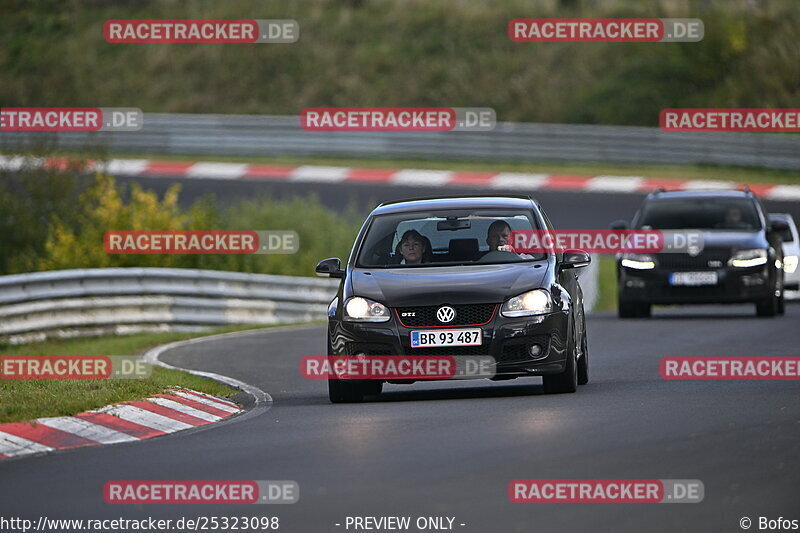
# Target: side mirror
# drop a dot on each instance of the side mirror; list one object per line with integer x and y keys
{"x": 575, "y": 259}
{"x": 778, "y": 225}
{"x": 618, "y": 224}
{"x": 330, "y": 267}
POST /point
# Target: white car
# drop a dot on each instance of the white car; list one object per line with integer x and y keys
{"x": 791, "y": 251}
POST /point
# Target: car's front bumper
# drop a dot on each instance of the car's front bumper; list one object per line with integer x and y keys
{"x": 734, "y": 286}
{"x": 506, "y": 340}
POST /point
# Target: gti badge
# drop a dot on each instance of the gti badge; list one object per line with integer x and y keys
{"x": 445, "y": 314}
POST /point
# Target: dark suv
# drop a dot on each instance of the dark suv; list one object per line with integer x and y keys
{"x": 740, "y": 260}
{"x": 525, "y": 311}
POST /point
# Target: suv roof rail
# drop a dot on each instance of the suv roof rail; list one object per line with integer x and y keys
{"x": 657, "y": 190}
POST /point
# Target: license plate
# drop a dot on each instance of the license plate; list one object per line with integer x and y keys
{"x": 693, "y": 278}
{"x": 450, "y": 337}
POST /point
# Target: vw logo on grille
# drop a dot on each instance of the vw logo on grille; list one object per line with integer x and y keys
{"x": 445, "y": 313}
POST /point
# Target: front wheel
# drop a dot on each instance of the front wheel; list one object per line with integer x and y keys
{"x": 583, "y": 362}
{"x": 633, "y": 310}
{"x": 567, "y": 381}
{"x": 768, "y": 307}
{"x": 340, "y": 391}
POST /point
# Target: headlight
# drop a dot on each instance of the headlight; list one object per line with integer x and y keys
{"x": 638, "y": 261}
{"x": 790, "y": 264}
{"x": 536, "y": 302}
{"x": 359, "y": 309}
{"x": 749, "y": 258}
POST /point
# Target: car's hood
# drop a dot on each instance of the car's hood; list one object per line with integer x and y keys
{"x": 400, "y": 287}
{"x": 736, "y": 240}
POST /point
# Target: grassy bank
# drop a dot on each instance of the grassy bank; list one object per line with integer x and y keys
{"x": 22, "y": 400}
{"x": 607, "y": 281}
{"x": 403, "y": 53}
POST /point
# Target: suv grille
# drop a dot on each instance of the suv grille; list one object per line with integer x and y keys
{"x": 687, "y": 262}
{"x": 466, "y": 315}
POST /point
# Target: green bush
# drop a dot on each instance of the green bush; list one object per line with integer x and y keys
{"x": 48, "y": 226}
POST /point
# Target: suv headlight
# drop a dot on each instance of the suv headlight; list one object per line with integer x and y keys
{"x": 748, "y": 258}
{"x": 359, "y": 309}
{"x": 638, "y": 261}
{"x": 790, "y": 263}
{"x": 535, "y": 302}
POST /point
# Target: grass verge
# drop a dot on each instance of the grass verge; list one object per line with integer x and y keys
{"x": 22, "y": 400}
{"x": 607, "y": 280}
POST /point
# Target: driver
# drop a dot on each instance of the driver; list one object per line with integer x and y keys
{"x": 498, "y": 237}
{"x": 734, "y": 219}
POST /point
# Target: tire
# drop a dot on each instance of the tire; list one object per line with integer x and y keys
{"x": 583, "y": 362}
{"x": 373, "y": 388}
{"x": 768, "y": 307}
{"x": 566, "y": 381}
{"x": 626, "y": 310}
{"x": 340, "y": 391}
{"x": 633, "y": 310}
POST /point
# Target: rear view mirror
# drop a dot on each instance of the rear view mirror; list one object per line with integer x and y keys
{"x": 453, "y": 224}
{"x": 779, "y": 226}
{"x": 330, "y": 267}
{"x": 575, "y": 259}
{"x": 618, "y": 224}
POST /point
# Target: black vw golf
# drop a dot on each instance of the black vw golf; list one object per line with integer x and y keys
{"x": 425, "y": 266}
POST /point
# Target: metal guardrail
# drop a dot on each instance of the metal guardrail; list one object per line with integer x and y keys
{"x": 262, "y": 135}
{"x": 70, "y": 303}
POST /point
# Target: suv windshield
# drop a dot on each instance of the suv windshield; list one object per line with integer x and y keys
{"x": 700, "y": 213}
{"x": 436, "y": 238}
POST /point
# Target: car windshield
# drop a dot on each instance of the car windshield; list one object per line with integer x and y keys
{"x": 437, "y": 238}
{"x": 730, "y": 214}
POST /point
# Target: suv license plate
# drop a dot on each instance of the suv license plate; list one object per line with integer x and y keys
{"x": 693, "y": 278}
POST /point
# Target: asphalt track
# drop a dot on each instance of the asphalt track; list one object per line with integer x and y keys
{"x": 450, "y": 449}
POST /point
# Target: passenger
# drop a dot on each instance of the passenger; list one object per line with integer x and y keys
{"x": 414, "y": 248}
